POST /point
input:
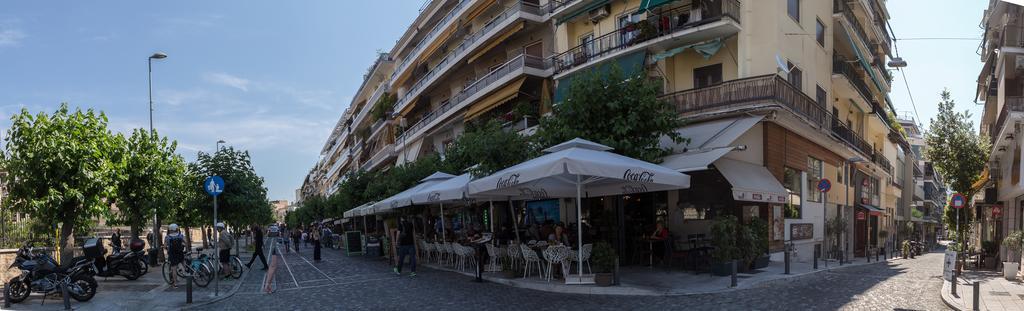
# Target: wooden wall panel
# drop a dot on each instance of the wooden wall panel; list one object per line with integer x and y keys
{"x": 783, "y": 148}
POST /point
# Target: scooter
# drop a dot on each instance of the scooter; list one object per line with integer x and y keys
{"x": 124, "y": 264}
{"x": 41, "y": 274}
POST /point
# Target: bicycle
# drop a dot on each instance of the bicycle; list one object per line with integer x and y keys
{"x": 234, "y": 261}
{"x": 192, "y": 266}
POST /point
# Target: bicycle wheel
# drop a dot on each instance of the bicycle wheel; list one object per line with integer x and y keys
{"x": 203, "y": 276}
{"x": 236, "y": 267}
{"x": 166, "y": 270}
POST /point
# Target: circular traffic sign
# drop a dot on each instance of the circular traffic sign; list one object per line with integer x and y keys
{"x": 213, "y": 185}
{"x": 824, "y": 185}
{"x": 957, "y": 200}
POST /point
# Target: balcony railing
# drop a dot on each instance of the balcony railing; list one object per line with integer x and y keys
{"x": 840, "y": 6}
{"x": 655, "y": 26}
{"x": 842, "y": 67}
{"x": 880, "y": 159}
{"x": 370, "y": 103}
{"x": 1011, "y": 104}
{"x": 554, "y": 5}
{"x": 479, "y": 84}
{"x": 430, "y": 36}
{"x": 765, "y": 89}
{"x": 461, "y": 50}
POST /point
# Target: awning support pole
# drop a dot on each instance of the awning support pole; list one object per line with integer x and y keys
{"x": 579, "y": 225}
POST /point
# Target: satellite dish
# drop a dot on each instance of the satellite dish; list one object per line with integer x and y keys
{"x": 781, "y": 64}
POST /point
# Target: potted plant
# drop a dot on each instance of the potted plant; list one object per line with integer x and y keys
{"x": 603, "y": 258}
{"x": 1013, "y": 243}
{"x": 990, "y": 249}
{"x": 905, "y": 249}
{"x": 759, "y": 234}
{"x": 723, "y": 237}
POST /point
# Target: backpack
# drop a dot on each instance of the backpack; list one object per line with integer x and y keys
{"x": 176, "y": 246}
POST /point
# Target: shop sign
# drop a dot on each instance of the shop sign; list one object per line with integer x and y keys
{"x": 748, "y": 196}
{"x": 997, "y": 211}
{"x": 861, "y": 215}
{"x": 801, "y": 231}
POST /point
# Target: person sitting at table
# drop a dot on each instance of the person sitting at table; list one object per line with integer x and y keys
{"x": 659, "y": 236}
{"x": 559, "y": 235}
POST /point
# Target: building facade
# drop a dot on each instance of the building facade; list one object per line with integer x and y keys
{"x": 1001, "y": 195}
{"x": 778, "y": 94}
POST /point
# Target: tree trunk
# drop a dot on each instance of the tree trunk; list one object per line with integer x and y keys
{"x": 188, "y": 238}
{"x": 67, "y": 241}
{"x": 206, "y": 241}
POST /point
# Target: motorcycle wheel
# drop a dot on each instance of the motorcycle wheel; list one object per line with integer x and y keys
{"x": 202, "y": 276}
{"x": 16, "y": 291}
{"x": 133, "y": 271}
{"x": 143, "y": 267}
{"x": 88, "y": 285}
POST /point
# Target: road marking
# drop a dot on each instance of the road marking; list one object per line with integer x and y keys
{"x": 287, "y": 267}
{"x": 317, "y": 269}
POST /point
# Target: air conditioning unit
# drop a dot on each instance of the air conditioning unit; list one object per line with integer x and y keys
{"x": 599, "y": 13}
{"x": 1019, "y": 62}
{"x": 994, "y": 171}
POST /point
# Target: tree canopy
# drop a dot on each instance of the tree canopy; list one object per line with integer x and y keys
{"x": 150, "y": 170}
{"x": 244, "y": 200}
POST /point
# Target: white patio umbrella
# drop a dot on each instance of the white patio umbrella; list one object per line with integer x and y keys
{"x": 575, "y": 168}
{"x": 402, "y": 199}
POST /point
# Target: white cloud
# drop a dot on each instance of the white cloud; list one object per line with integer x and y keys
{"x": 11, "y": 37}
{"x": 227, "y": 80}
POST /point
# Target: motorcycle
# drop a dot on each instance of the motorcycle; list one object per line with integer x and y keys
{"x": 124, "y": 264}
{"x": 41, "y": 274}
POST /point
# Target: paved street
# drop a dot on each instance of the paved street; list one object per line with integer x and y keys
{"x": 358, "y": 283}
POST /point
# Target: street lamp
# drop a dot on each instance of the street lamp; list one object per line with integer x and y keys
{"x": 156, "y": 222}
{"x": 839, "y": 210}
{"x": 218, "y": 145}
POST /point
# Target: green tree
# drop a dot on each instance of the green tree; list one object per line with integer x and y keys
{"x": 61, "y": 167}
{"x": 487, "y": 148}
{"x": 959, "y": 154}
{"x": 622, "y": 112}
{"x": 150, "y": 171}
{"x": 244, "y": 200}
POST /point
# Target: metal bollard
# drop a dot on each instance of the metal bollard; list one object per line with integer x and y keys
{"x": 977, "y": 294}
{"x": 952, "y": 283}
{"x": 867, "y": 255}
{"x": 876, "y": 254}
{"x": 67, "y": 297}
{"x": 787, "y": 261}
{"x": 732, "y": 266}
{"x": 817, "y": 250}
{"x": 188, "y": 289}
{"x": 841, "y": 258}
{"x": 7, "y": 302}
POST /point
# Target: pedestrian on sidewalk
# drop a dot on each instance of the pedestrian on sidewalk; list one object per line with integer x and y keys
{"x": 224, "y": 245}
{"x": 315, "y": 236}
{"x": 115, "y": 240}
{"x": 406, "y": 247}
{"x": 296, "y": 236}
{"x": 305, "y": 239}
{"x": 257, "y": 242}
{"x": 175, "y": 243}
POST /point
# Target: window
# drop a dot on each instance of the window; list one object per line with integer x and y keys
{"x": 815, "y": 173}
{"x": 821, "y": 96}
{"x": 707, "y": 76}
{"x": 587, "y": 43}
{"x": 793, "y": 8}
{"x": 626, "y": 20}
{"x": 796, "y": 76}
{"x": 792, "y": 181}
{"x": 819, "y": 33}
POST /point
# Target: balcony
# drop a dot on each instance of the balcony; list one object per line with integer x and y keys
{"x": 380, "y": 153}
{"x": 843, "y": 10}
{"x": 842, "y": 68}
{"x": 559, "y": 8}
{"x": 719, "y": 19}
{"x": 443, "y": 23}
{"x": 492, "y": 28}
{"x": 759, "y": 92}
{"x": 522, "y": 64}
{"x": 1013, "y": 106}
{"x": 882, "y": 162}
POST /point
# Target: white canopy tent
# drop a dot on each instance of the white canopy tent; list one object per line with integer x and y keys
{"x": 578, "y": 168}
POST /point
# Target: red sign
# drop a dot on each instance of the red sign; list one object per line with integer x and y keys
{"x": 957, "y": 200}
{"x": 997, "y": 211}
{"x": 861, "y": 216}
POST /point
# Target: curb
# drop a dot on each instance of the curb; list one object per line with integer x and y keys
{"x": 635, "y": 291}
{"x": 946, "y": 296}
{"x": 222, "y": 297}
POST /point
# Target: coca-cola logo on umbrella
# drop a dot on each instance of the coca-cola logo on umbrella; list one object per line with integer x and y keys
{"x": 434, "y": 196}
{"x": 509, "y": 181}
{"x": 533, "y": 193}
{"x": 638, "y": 175}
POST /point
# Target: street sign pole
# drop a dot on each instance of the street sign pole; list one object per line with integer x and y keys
{"x": 214, "y": 186}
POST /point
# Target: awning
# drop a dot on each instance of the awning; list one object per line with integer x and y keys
{"x": 629, "y": 65}
{"x": 581, "y": 11}
{"x": 412, "y": 149}
{"x": 693, "y": 161}
{"x": 497, "y": 40}
{"x": 750, "y": 182}
{"x": 707, "y": 49}
{"x": 647, "y": 5}
{"x": 504, "y": 95}
{"x": 403, "y": 199}
{"x": 711, "y": 135}
{"x": 874, "y": 210}
{"x": 341, "y": 221}
{"x": 863, "y": 62}
{"x": 408, "y": 107}
{"x": 981, "y": 182}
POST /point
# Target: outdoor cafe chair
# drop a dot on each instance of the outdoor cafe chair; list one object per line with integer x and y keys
{"x": 514, "y": 255}
{"x": 555, "y": 255}
{"x": 495, "y": 253}
{"x": 586, "y": 249}
{"x": 530, "y": 259}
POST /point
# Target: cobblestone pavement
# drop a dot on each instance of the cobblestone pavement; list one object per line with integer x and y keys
{"x": 340, "y": 282}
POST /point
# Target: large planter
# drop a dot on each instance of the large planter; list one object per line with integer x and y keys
{"x": 990, "y": 262}
{"x": 762, "y": 262}
{"x": 1010, "y": 270}
{"x": 721, "y": 268}
{"x": 604, "y": 279}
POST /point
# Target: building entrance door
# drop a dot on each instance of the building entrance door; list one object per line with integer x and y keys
{"x": 860, "y": 225}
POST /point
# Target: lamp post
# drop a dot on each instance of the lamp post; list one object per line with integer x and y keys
{"x": 154, "y": 250}
{"x": 839, "y": 210}
{"x": 215, "y": 150}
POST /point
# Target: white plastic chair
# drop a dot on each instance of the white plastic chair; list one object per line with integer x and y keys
{"x": 495, "y": 253}
{"x": 555, "y": 255}
{"x": 513, "y": 255}
{"x": 530, "y": 259}
{"x": 586, "y": 249}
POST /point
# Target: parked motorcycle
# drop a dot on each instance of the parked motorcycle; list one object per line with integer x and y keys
{"x": 40, "y": 273}
{"x": 124, "y": 264}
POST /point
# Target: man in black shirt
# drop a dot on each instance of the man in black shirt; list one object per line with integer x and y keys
{"x": 406, "y": 246}
{"x": 257, "y": 242}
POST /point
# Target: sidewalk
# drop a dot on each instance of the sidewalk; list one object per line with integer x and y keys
{"x": 996, "y": 292}
{"x": 645, "y": 281}
{"x": 150, "y": 292}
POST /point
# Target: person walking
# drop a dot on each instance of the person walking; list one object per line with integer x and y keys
{"x": 224, "y": 245}
{"x": 257, "y": 243}
{"x": 115, "y": 240}
{"x": 175, "y": 243}
{"x": 296, "y": 236}
{"x": 406, "y": 247}
{"x": 315, "y": 235}
{"x": 305, "y": 238}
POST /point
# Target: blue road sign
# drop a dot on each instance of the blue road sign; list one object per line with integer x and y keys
{"x": 958, "y": 200}
{"x": 824, "y": 185}
{"x": 214, "y": 185}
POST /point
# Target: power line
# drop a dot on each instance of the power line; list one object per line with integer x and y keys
{"x": 910, "y": 94}
{"x": 903, "y": 73}
{"x": 938, "y": 38}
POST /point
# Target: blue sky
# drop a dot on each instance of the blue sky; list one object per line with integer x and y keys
{"x": 273, "y": 77}
{"x": 268, "y": 76}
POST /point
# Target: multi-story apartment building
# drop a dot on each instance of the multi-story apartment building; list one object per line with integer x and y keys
{"x": 929, "y": 190}
{"x": 779, "y": 94}
{"x": 1001, "y": 88}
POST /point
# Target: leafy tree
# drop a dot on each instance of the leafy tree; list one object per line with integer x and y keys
{"x": 244, "y": 200}
{"x": 487, "y": 148}
{"x": 351, "y": 192}
{"x": 959, "y": 154}
{"x": 61, "y": 167}
{"x": 150, "y": 171}
{"x": 622, "y": 112}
